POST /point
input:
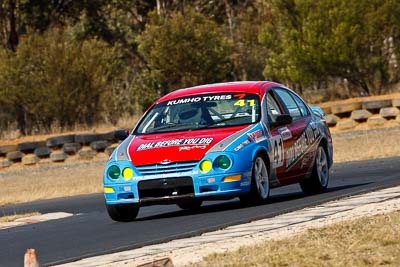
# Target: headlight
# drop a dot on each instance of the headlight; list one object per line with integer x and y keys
{"x": 127, "y": 173}
{"x": 223, "y": 162}
{"x": 114, "y": 172}
{"x": 205, "y": 166}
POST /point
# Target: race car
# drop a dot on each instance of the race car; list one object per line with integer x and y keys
{"x": 218, "y": 141}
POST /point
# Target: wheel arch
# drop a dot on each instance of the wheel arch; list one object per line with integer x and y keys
{"x": 324, "y": 144}
{"x": 264, "y": 154}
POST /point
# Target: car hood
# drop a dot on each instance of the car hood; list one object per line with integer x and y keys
{"x": 177, "y": 146}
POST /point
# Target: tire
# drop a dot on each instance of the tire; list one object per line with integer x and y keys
{"x": 318, "y": 182}
{"x": 86, "y": 139}
{"x": 99, "y": 146}
{"x": 259, "y": 191}
{"x": 59, "y": 141}
{"x": 29, "y": 147}
{"x": 5, "y": 163}
{"x": 58, "y": 156}
{"x": 123, "y": 212}
{"x": 193, "y": 204}
{"x": 14, "y": 156}
{"x": 71, "y": 148}
{"x": 42, "y": 152}
{"x": 86, "y": 154}
{"x": 8, "y": 148}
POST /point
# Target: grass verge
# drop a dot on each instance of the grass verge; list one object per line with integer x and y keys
{"x": 363, "y": 145}
{"x": 370, "y": 241}
{"x": 68, "y": 180}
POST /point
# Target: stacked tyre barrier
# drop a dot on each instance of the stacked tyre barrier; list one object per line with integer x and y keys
{"x": 340, "y": 115}
{"x": 58, "y": 149}
{"x": 371, "y": 113}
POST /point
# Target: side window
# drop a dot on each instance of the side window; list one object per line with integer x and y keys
{"x": 272, "y": 108}
{"x": 303, "y": 108}
{"x": 290, "y": 103}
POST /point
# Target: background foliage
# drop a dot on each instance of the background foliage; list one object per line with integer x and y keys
{"x": 84, "y": 62}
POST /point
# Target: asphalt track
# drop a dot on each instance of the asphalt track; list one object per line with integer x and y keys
{"x": 91, "y": 232}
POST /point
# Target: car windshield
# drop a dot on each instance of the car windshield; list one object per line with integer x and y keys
{"x": 200, "y": 112}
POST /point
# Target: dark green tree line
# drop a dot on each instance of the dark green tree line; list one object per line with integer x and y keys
{"x": 351, "y": 40}
{"x": 65, "y": 62}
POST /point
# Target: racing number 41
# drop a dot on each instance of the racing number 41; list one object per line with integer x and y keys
{"x": 277, "y": 144}
{"x": 242, "y": 102}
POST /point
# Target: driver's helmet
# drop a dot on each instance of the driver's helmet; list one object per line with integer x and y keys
{"x": 190, "y": 114}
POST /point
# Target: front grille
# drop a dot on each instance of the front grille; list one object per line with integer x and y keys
{"x": 168, "y": 187}
{"x": 167, "y": 168}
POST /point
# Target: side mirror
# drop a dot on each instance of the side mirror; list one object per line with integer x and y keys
{"x": 121, "y": 134}
{"x": 281, "y": 120}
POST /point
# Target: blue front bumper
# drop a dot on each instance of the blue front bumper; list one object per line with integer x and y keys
{"x": 167, "y": 190}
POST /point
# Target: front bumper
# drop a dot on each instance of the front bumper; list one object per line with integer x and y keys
{"x": 174, "y": 188}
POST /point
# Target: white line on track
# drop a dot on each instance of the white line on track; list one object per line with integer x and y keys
{"x": 35, "y": 219}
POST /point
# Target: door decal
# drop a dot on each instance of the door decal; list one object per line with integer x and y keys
{"x": 285, "y": 133}
{"x": 300, "y": 146}
{"x": 277, "y": 150}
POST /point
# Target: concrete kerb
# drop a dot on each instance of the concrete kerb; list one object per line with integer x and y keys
{"x": 183, "y": 251}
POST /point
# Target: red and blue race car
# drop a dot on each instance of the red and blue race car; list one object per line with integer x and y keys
{"x": 218, "y": 141}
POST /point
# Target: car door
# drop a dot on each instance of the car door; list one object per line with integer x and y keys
{"x": 280, "y": 137}
{"x": 294, "y": 135}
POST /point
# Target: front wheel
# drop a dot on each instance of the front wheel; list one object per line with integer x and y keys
{"x": 123, "y": 212}
{"x": 318, "y": 182}
{"x": 259, "y": 191}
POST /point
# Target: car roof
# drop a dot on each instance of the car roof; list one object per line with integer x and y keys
{"x": 255, "y": 87}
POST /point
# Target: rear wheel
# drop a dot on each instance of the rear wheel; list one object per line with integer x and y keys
{"x": 318, "y": 182}
{"x": 123, "y": 212}
{"x": 192, "y": 204}
{"x": 259, "y": 191}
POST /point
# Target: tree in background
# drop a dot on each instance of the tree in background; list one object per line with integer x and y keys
{"x": 249, "y": 53}
{"x": 184, "y": 50}
{"x": 240, "y": 24}
{"x": 8, "y": 24}
{"x": 338, "y": 39}
{"x": 63, "y": 82}
{"x": 120, "y": 55}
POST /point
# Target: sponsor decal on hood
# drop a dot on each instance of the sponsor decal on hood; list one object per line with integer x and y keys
{"x": 188, "y": 142}
{"x": 178, "y": 146}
